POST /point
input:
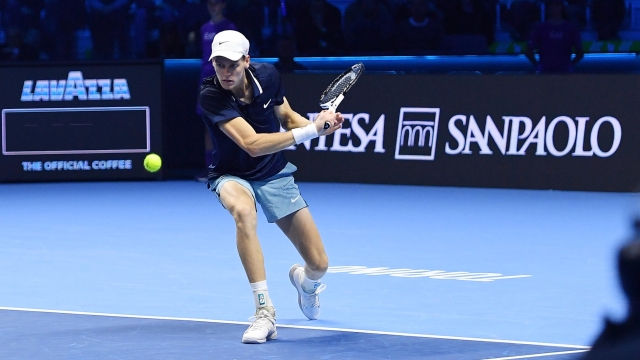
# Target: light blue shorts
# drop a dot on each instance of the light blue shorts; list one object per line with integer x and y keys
{"x": 278, "y": 195}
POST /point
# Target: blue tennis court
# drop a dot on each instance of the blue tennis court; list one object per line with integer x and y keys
{"x": 149, "y": 270}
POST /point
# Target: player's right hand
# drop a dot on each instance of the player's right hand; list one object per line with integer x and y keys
{"x": 327, "y": 116}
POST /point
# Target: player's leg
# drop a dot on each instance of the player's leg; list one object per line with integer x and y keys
{"x": 238, "y": 198}
{"x": 301, "y": 230}
{"x": 283, "y": 204}
{"x": 240, "y": 203}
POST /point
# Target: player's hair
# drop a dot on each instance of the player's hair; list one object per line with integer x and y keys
{"x": 629, "y": 270}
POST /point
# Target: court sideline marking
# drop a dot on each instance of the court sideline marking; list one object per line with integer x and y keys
{"x": 373, "y": 332}
{"x": 539, "y": 355}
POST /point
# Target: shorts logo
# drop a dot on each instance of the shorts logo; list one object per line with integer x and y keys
{"x": 417, "y": 133}
{"x": 261, "y": 299}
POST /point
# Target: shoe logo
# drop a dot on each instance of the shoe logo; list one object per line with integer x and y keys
{"x": 295, "y": 198}
{"x": 261, "y": 299}
{"x": 265, "y": 105}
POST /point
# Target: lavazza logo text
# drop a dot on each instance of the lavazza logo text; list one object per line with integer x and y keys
{"x": 75, "y": 87}
{"x": 511, "y": 135}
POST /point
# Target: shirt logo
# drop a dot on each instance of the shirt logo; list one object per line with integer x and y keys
{"x": 265, "y": 105}
{"x": 295, "y": 198}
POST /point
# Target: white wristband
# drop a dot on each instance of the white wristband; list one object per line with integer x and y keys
{"x": 304, "y": 133}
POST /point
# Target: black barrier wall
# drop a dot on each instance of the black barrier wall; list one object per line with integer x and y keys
{"x": 568, "y": 132}
{"x": 80, "y": 122}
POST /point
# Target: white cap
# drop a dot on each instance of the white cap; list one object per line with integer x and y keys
{"x": 229, "y": 44}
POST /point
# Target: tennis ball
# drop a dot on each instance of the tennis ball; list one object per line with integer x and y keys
{"x": 152, "y": 162}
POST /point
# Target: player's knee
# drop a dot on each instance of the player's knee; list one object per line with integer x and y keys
{"x": 320, "y": 264}
{"x": 243, "y": 214}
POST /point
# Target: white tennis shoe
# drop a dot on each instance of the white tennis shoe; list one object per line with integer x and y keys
{"x": 263, "y": 327}
{"x": 309, "y": 302}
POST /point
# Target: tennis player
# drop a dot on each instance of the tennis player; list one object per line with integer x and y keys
{"x": 244, "y": 106}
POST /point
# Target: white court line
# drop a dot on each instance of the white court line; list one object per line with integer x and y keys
{"x": 585, "y": 348}
{"x": 538, "y": 355}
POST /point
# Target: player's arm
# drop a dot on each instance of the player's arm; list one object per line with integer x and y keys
{"x": 253, "y": 143}
{"x": 262, "y": 144}
{"x": 289, "y": 119}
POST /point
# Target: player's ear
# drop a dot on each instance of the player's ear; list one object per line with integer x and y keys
{"x": 247, "y": 60}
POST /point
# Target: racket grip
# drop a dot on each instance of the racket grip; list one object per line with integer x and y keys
{"x": 327, "y": 125}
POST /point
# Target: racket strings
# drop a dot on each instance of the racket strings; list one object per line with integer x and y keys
{"x": 341, "y": 86}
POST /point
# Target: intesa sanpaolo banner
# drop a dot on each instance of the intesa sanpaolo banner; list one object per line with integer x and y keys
{"x": 566, "y": 132}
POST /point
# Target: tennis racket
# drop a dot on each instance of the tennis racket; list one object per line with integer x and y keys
{"x": 334, "y": 94}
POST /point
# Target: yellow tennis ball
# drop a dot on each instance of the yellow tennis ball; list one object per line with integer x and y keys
{"x": 152, "y": 162}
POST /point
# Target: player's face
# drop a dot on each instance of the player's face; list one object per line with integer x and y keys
{"x": 230, "y": 73}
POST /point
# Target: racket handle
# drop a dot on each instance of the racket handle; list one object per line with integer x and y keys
{"x": 333, "y": 107}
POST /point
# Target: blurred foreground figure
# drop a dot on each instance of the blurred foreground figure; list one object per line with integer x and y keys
{"x": 622, "y": 340}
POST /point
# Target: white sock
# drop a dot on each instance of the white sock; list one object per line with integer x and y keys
{"x": 308, "y": 285}
{"x": 261, "y": 294}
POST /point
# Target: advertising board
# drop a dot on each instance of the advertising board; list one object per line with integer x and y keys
{"x": 566, "y": 132}
{"x": 80, "y": 122}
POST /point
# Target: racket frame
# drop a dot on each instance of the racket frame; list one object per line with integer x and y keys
{"x": 333, "y": 104}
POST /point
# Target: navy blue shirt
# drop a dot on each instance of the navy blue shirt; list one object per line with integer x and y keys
{"x": 219, "y": 105}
